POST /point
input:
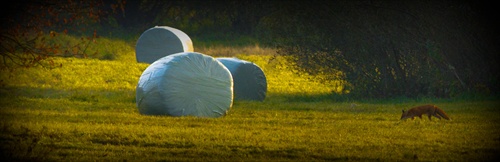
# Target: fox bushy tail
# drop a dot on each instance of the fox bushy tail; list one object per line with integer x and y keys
{"x": 442, "y": 113}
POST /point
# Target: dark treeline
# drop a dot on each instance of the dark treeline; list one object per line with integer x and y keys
{"x": 196, "y": 18}
{"x": 383, "y": 48}
{"x": 392, "y": 48}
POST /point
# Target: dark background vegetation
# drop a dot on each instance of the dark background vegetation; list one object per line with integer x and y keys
{"x": 381, "y": 48}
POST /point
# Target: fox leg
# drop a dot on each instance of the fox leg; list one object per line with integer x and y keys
{"x": 436, "y": 115}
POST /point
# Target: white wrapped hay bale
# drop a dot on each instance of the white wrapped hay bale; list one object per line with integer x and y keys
{"x": 249, "y": 79}
{"x": 185, "y": 84}
{"x": 161, "y": 41}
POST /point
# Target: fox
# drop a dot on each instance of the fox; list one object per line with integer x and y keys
{"x": 430, "y": 110}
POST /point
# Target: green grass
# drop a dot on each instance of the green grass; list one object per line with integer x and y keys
{"x": 86, "y": 111}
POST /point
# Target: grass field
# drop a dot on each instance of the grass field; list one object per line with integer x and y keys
{"x": 86, "y": 111}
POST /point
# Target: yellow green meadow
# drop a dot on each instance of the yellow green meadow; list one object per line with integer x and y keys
{"x": 85, "y": 110}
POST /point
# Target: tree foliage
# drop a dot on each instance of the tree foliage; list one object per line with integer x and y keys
{"x": 390, "y": 48}
{"x": 218, "y": 19}
{"x": 30, "y": 29}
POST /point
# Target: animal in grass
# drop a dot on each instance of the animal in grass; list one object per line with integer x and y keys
{"x": 430, "y": 110}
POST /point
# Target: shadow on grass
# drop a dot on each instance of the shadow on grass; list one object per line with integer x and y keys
{"x": 78, "y": 95}
{"x": 347, "y": 98}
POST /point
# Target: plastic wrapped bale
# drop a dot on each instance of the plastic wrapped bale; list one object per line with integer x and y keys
{"x": 185, "y": 84}
{"x": 161, "y": 41}
{"x": 249, "y": 79}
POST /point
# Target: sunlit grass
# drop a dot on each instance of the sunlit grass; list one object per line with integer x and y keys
{"x": 83, "y": 46}
{"x": 60, "y": 129}
{"x": 226, "y": 51}
{"x": 93, "y": 74}
{"x": 86, "y": 111}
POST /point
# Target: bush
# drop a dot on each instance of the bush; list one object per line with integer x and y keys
{"x": 388, "y": 49}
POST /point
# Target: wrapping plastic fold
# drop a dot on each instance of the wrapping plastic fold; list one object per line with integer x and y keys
{"x": 185, "y": 84}
{"x": 249, "y": 79}
{"x": 161, "y": 41}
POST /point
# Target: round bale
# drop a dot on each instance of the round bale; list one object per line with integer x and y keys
{"x": 161, "y": 41}
{"x": 185, "y": 84}
{"x": 249, "y": 79}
